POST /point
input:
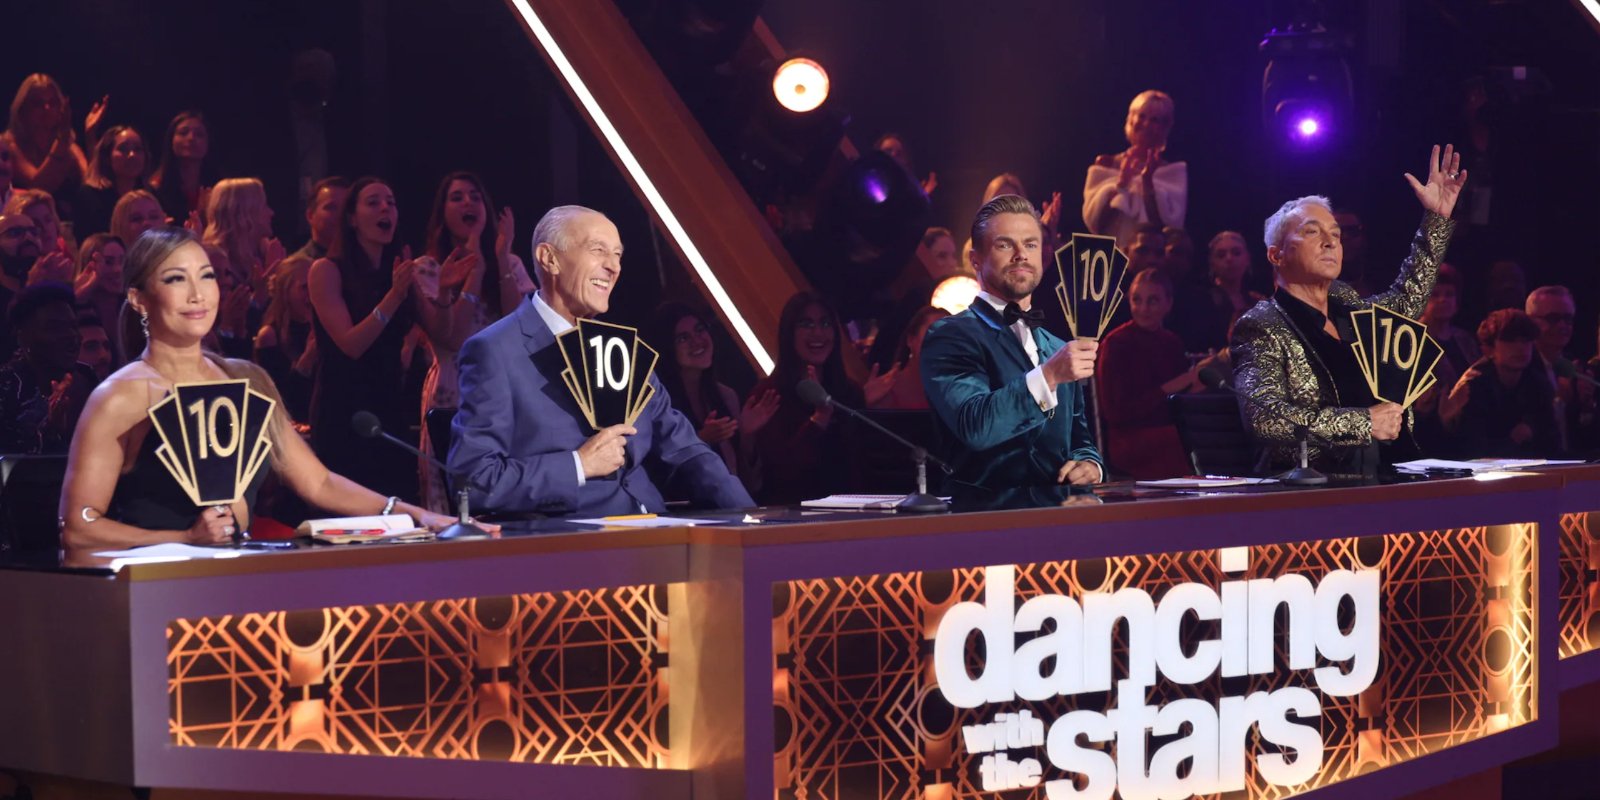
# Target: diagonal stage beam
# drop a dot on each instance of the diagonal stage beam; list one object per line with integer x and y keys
{"x": 731, "y": 251}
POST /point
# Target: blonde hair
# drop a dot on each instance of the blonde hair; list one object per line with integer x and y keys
{"x": 16, "y": 128}
{"x": 233, "y": 220}
{"x": 119, "y": 214}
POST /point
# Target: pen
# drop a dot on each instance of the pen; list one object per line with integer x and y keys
{"x": 631, "y": 516}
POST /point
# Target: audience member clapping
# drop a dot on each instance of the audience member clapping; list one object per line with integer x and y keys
{"x": 22, "y": 253}
{"x": 136, "y": 212}
{"x": 1141, "y": 363}
{"x": 98, "y": 281}
{"x": 804, "y": 450}
{"x": 1138, "y": 186}
{"x": 239, "y": 223}
{"x": 120, "y": 164}
{"x": 45, "y": 149}
{"x": 907, "y": 393}
{"x": 43, "y": 388}
{"x": 1504, "y": 406}
{"x": 284, "y": 346}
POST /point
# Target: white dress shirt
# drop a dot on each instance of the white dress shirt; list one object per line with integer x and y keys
{"x": 557, "y": 325}
{"x": 1043, "y": 393}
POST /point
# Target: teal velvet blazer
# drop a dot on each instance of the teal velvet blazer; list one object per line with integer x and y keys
{"x": 994, "y": 434}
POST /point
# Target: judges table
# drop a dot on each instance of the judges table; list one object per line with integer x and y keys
{"x": 1362, "y": 641}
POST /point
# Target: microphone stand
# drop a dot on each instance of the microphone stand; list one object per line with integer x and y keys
{"x": 463, "y": 528}
{"x": 920, "y": 502}
{"x": 1303, "y": 475}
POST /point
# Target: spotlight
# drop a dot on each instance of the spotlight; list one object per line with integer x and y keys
{"x": 955, "y": 293}
{"x": 1307, "y": 95}
{"x": 800, "y": 85}
{"x": 1308, "y": 127}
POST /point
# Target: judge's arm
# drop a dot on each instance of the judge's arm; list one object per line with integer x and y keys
{"x": 94, "y": 464}
{"x": 481, "y": 448}
{"x": 957, "y": 384}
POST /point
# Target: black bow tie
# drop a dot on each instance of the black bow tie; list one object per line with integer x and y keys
{"x": 1013, "y": 312}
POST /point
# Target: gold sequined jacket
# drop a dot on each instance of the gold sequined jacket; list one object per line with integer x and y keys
{"x": 1272, "y": 360}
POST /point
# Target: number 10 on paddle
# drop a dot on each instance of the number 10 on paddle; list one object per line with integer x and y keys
{"x": 1091, "y": 269}
{"x": 213, "y": 438}
{"x": 608, "y": 372}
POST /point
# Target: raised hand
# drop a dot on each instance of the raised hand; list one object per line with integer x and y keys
{"x": 54, "y": 266}
{"x": 97, "y": 115}
{"x": 404, "y": 274}
{"x": 458, "y": 267}
{"x": 1050, "y": 215}
{"x": 1445, "y": 179}
{"x": 758, "y": 411}
{"x": 717, "y": 428}
{"x": 878, "y": 386}
{"x": 504, "y": 233}
{"x": 930, "y": 183}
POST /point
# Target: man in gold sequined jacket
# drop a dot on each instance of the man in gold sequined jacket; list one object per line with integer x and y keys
{"x": 1293, "y": 351}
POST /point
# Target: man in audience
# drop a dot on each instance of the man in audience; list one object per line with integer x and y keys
{"x": 43, "y": 388}
{"x": 521, "y": 442}
{"x": 94, "y": 350}
{"x": 1503, "y": 407}
{"x": 1148, "y": 250}
{"x": 1552, "y": 309}
{"x": 322, "y": 216}
{"x": 1002, "y": 389}
{"x": 22, "y": 254}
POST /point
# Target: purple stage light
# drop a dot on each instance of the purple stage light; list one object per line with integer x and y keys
{"x": 876, "y": 187}
{"x": 1308, "y": 127}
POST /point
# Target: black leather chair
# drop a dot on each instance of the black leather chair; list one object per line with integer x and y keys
{"x": 1213, "y": 433}
{"x": 30, "y": 492}
{"x": 438, "y": 421}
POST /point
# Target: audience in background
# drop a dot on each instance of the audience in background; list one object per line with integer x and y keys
{"x": 480, "y": 280}
{"x": 1507, "y": 285}
{"x": 907, "y": 393}
{"x": 1138, "y": 186}
{"x": 1504, "y": 406}
{"x": 362, "y": 299}
{"x": 39, "y": 205}
{"x": 186, "y": 170}
{"x": 94, "y": 345}
{"x": 805, "y": 450}
{"x": 283, "y": 345}
{"x": 98, "y": 280}
{"x": 1140, "y": 364}
{"x": 1461, "y": 351}
{"x": 43, "y": 388}
{"x": 688, "y": 370}
{"x": 45, "y": 151}
{"x": 136, "y": 212}
{"x": 120, "y": 165}
{"x": 1553, "y": 310}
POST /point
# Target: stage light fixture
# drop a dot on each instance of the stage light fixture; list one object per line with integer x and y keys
{"x": 800, "y": 84}
{"x": 1307, "y": 94}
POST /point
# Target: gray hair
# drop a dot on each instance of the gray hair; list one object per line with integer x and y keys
{"x": 1278, "y": 223}
{"x": 1556, "y": 291}
{"x": 554, "y": 225}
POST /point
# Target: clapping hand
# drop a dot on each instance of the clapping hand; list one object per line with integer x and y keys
{"x": 878, "y": 386}
{"x": 758, "y": 412}
{"x": 97, "y": 115}
{"x": 1445, "y": 179}
{"x": 504, "y": 231}
{"x": 718, "y": 429}
{"x": 54, "y": 266}
{"x": 1050, "y": 215}
{"x": 458, "y": 267}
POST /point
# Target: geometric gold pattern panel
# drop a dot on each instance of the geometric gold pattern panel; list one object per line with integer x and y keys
{"x": 553, "y": 678}
{"x": 859, "y": 712}
{"x": 1579, "y": 584}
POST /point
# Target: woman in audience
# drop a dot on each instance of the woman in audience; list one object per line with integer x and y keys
{"x": 98, "y": 285}
{"x": 43, "y": 387}
{"x": 46, "y": 153}
{"x": 284, "y": 346}
{"x": 907, "y": 394}
{"x": 1228, "y": 258}
{"x": 362, "y": 303}
{"x": 119, "y": 165}
{"x": 117, "y": 493}
{"x": 1141, "y": 363}
{"x": 1500, "y": 407}
{"x": 184, "y": 171}
{"x": 687, "y": 368}
{"x": 805, "y": 450}
{"x": 136, "y": 212}
{"x": 1138, "y": 186}
{"x": 480, "y": 280}
{"x": 239, "y": 221}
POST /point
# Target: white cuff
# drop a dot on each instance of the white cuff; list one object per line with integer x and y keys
{"x": 578, "y": 461}
{"x": 1040, "y": 389}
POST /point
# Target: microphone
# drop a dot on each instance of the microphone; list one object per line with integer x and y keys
{"x": 366, "y": 425}
{"x": 918, "y": 503}
{"x": 1302, "y": 475}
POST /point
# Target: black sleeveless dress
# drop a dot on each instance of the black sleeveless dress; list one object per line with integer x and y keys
{"x": 374, "y": 382}
{"x": 148, "y": 497}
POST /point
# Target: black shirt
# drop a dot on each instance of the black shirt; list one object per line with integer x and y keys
{"x": 1337, "y": 356}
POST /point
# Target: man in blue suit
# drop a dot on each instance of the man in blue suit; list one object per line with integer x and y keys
{"x": 519, "y": 437}
{"x": 1004, "y": 390}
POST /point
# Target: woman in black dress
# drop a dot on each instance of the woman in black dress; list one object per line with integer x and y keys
{"x": 363, "y": 303}
{"x": 117, "y": 494}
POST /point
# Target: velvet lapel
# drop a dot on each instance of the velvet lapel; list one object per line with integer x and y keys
{"x": 1005, "y": 338}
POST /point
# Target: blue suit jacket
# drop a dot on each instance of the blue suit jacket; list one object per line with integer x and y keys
{"x": 975, "y": 373}
{"x": 518, "y": 427}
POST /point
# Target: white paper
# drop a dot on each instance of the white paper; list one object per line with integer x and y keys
{"x": 857, "y": 502}
{"x": 1478, "y": 464}
{"x": 168, "y": 551}
{"x": 1208, "y": 482}
{"x": 652, "y": 522}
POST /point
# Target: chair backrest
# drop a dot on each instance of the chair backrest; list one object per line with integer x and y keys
{"x": 438, "y": 421}
{"x": 885, "y": 465}
{"x": 1213, "y": 433}
{"x": 30, "y": 492}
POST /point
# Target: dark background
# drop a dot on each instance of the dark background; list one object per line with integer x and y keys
{"x": 1037, "y": 87}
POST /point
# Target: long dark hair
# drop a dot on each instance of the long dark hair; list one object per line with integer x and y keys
{"x": 100, "y": 176}
{"x": 357, "y": 273}
{"x": 660, "y": 332}
{"x": 168, "y": 168}
{"x": 439, "y": 243}
{"x": 791, "y": 367}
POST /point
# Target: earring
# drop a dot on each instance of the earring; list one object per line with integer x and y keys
{"x": 144, "y": 323}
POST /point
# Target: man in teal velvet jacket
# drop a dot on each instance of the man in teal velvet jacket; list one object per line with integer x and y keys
{"x": 1005, "y": 391}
